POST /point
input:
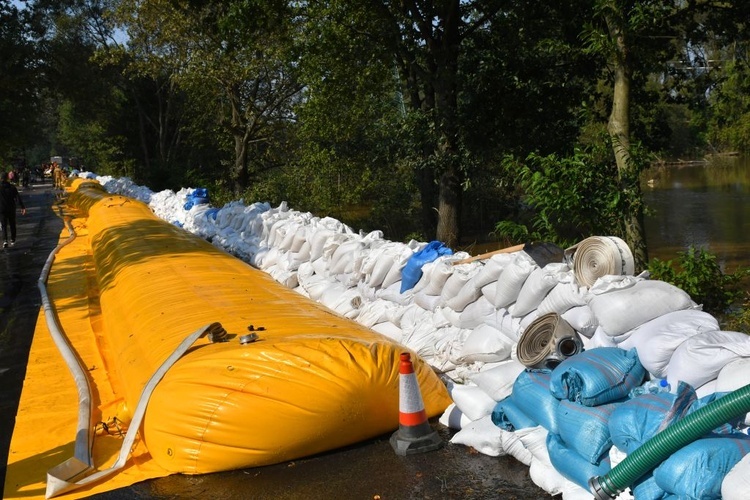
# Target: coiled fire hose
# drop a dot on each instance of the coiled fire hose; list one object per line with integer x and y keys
{"x": 662, "y": 445}
{"x": 599, "y": 256}
{"x": 547, "y": 341}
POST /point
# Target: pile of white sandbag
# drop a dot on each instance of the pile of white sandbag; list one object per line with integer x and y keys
{"x": 465, "y": 319}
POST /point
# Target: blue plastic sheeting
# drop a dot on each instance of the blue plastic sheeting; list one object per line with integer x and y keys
{"x": 585, "y": 429}
{"x": 638, "y": 420}
{"x": 198, "y": 196}
{"x": 597, "y": 376}
{"x": 532, "y": 396}
{"x": 412, "y": 271}
{"x": 697, "y": 470}
{"x": 508, "y": 416}
{"x": 572, "y": 465}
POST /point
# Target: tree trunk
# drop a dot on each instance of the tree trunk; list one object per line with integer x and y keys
{"x": 445, "y": 52}
{"x": 619, "y": 132}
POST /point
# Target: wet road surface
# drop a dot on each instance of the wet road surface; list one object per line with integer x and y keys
{"x": 369, "y": 470}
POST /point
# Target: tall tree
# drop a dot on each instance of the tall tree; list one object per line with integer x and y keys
{"x": 235, "y": 54}
{"x": 19, "y": 80}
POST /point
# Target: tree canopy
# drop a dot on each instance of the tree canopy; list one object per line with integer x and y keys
{"x": 417, "y": 117}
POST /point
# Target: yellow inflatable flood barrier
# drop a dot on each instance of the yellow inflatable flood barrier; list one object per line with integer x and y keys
{"x": 312, "y": 382}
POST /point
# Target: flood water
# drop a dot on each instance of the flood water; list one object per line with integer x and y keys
{"x": 705, "y": 205}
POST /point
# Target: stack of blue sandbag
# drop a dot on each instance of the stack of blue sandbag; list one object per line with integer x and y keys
{"x": 591, "y": 402}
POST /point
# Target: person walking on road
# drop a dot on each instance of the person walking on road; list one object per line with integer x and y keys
{"x": 8, "y": 198}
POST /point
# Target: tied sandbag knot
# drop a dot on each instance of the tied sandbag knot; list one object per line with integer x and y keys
{"x": 547, "y": 341}
{"x": 599, "y": 256}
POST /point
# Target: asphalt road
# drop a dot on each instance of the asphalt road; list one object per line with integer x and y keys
{"x": 369, "y": 470}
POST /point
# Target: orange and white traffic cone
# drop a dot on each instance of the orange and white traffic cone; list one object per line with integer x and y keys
{"x": 414, "y": 434}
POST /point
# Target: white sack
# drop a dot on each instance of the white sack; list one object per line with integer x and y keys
{"x": 476, "y": 313}
{"x": 511, "y": 280}
{"x": 582, "y": 320}
{"x": 487, "y": 344}
{"x": 483, "y": 436}
{"x": 453, "y": 418}
{"x": 472, "y": 401}
{"x": 734, "y": 375}
{"x": 498, "y": 382}
{"x": 736, "y": 483}
{"x": 700, "y": 358}
{"x": 624, "y": 309}
{"x": 562, "y": 297}
{"x": 535, "y": 288}
{"x": 656, "y": 340}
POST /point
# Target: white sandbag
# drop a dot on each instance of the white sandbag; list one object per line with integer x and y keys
{"x": 562, "y": 297}
{"x": 434, "y": 276}
{"x": 700, "y": 358}
{"x": 454, "y": 284}
{"x": 582, "y": 320}
{"x": 393, "y": 294}
{"x": 706, "y": 389}
{"x": 472, "y": 401}
{"x": 514, "y": 447}
{"x": 486, "y": 344}
{"x": 469, "y": 293}
{"x": 318, "y": 241}
{"x": 511, "y": 280}
{"x": 316, "y": 286}
{"x": 736, "y": 483}
{"x": 413, "y": 316}
{"x": 734, "y": 375}
{"x": 535, "y": 288}
{"x": 342, "y": 259}
{"x": 453, "y": 418}
{"x": 546, "y": 476}
{"x": 492, "y": 268}
{"x": 497, "y": 382}
{"x": 389, "y": 329}
{"x": 503, "y": 321}
{"x": 656, "y": 340}
{"x": 478, "y": 312}
{"x": 489, "y": 291}
{"x": 374, "y": 312}
{"x": 598, "y": 339}
{"x": 483, "y": 436}
{"x": 625, "y": 309}
{"x": 427, "y": 302}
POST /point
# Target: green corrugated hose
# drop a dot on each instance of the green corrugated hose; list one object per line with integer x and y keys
{"x": 662, "y": 445}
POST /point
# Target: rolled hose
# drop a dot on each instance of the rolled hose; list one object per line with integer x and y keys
{"x": 599, "y": 256}
{"x": 547, "y": 341}
{"x": 662, "y": 445}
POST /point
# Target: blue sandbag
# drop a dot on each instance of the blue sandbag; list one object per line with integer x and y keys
{"x": 531, "y": 395}
{"x": 509, "y": 417}
{"x": 585, "y": 429}
{"x": 597, "y": 376}
{"x": 698, "y": 469}
{"x": 646, "y": 488}
{"x": 636, "y": 421}
{"x": 412, "y": 271}
{"x": 572, "y": 465}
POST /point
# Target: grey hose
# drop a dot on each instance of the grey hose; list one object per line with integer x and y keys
{"x": 547, "y": 341}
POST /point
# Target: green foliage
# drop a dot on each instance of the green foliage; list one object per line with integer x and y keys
{"x": 564, "y": 199}
{"x": 729, "y": 125}
{"x": 699, "y": 274}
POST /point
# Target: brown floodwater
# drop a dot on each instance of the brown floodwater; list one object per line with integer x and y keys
{"x": 701, "y": 204}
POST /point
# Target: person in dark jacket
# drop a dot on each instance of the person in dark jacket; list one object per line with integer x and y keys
{"x": 8, "y": 198}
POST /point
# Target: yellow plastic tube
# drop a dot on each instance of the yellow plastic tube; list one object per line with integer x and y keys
{"x": 312, "y": 382}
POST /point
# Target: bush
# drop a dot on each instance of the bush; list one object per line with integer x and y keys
{"x": 698, "y": 274}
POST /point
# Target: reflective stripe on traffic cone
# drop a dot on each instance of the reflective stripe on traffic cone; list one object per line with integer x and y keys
{"x": 414, "y": 434}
